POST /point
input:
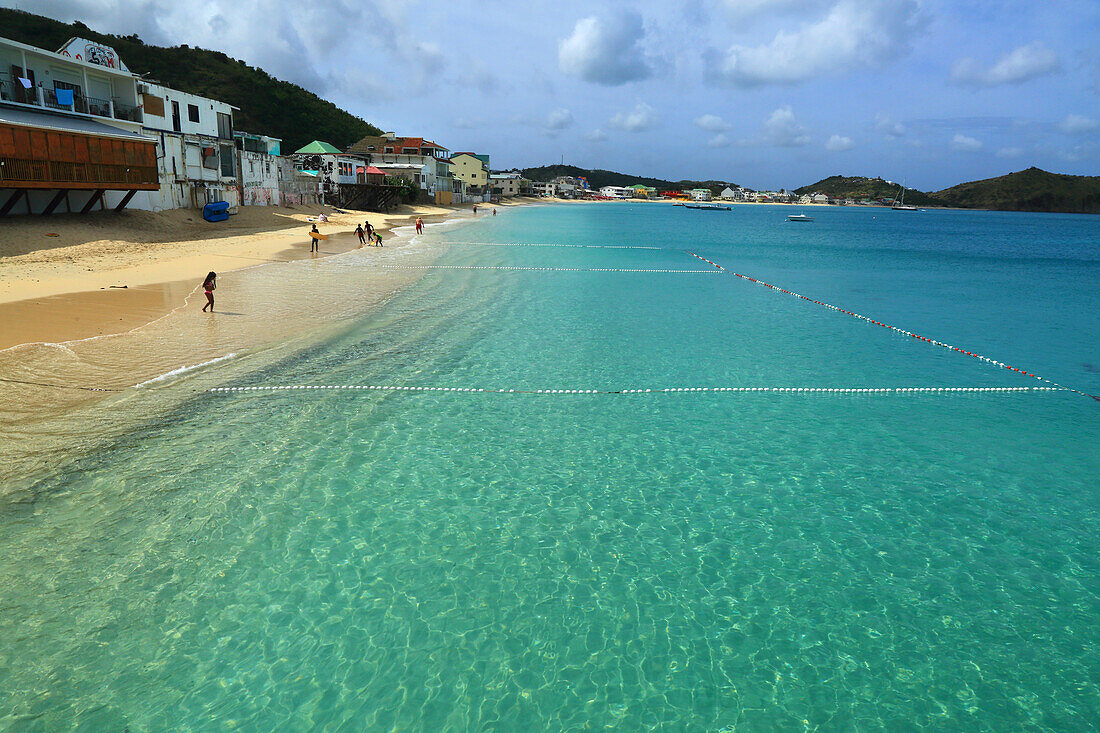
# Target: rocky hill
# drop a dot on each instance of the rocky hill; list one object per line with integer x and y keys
{"x": 267, "y": 105}
{"x": 1029, "y": 190}
{"x": 858, "y": 187}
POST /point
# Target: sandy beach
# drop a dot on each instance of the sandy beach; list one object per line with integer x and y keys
{"x": 72, "y": 277}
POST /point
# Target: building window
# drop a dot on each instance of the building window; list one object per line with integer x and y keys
{"x": 225, "y": 125}
{"x": 193, "y": 112}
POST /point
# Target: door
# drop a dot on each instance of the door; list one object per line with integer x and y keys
{"x": 22, "y": 93}
{"x": 176, "y": 117}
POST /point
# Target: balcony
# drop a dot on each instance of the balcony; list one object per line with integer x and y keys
{"x": 47, "y": 99}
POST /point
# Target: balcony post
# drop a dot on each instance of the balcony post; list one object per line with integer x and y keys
{"x": 111, "y": 108}
{"x": 40, "y": 94}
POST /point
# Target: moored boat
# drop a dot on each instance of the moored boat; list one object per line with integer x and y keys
{"x": 799, "y": 217}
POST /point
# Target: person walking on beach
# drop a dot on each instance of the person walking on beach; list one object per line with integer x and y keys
{"x": 361, "y": 234}
{"x": 209, "y": 285}
{"x": 419, "y": 225}
{"x": 369, "y": 228}
{"x": 315, "y": 239}
{"x": 475, "y": 209}
{"x": 494, "y": 212}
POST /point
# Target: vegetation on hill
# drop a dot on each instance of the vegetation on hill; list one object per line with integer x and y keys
{"x": 267, "y": 105}
{"x": 1029, "y": 190}
{"x": 598, "y": 178}
{"x": 858, "y": 187}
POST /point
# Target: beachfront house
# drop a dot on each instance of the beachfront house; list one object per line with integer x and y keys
{"x": 332, "y": 167}
{"x": 422, "y": 161}
{"x": 473, "y": 168}
{"x": 197, "y": 155}
{"x": 728, "y": 194}
{"x": 820, "y": 198}
{"x": 805, "y": 199}
{"x": 71, "y": 136}
{"x": 616, "y": 192}
{"x": 701, "y": 194}
{"x": 509, "y": 184}
{"x": 258, "y": 166}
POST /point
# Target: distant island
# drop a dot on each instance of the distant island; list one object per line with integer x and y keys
{"x": 1028, "y": 190}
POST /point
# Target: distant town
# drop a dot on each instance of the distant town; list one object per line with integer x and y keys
{"x": 79, "y": 131}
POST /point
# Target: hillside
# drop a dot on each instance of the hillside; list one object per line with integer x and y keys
{"x": 858, "y": 187}
{"x": 267, "y": 105}
{"x": 1029, "y": 190}
{"x": 597, "y": 178}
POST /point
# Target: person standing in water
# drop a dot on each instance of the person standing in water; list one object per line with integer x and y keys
{"x": 361, "y": 234}
{"x": 419, "y": 225}
{"x": 315, "y": 241}
{"x": 209, "y": 285}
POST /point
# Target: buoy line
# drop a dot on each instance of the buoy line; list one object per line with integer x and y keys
{"x": 60, "y": 386}
{"x": 550, "y": 244}
{"x": 902, "y": 331}
{"x": 665, "y": 390}
{"x": 544, "y": 269}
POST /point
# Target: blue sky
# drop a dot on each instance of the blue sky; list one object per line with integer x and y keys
{"x": 766, "y": 93}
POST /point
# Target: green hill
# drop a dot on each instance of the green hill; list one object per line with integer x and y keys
{"x": 598, "y": 178}
{"x": 1029, "y": 190}
{"x": 858, "y": 187}
{"x": 267, "y": 105}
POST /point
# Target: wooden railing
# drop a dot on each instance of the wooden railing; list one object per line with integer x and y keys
{"x": 55, "y": 174}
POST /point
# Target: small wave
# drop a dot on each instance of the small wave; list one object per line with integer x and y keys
{"x": 184, "y": 370}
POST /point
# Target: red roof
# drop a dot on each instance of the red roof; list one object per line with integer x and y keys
{"x": 372, "y": 171}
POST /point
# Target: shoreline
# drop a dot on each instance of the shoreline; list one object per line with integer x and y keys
{"x": 102, "y": 287}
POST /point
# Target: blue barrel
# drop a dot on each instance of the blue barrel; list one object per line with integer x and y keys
{"x": 217, "y": 211}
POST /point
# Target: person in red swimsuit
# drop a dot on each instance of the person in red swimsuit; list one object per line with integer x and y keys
{"x": 209, "y": 285}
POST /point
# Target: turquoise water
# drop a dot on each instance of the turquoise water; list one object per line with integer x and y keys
{"x": 366, "y": 560}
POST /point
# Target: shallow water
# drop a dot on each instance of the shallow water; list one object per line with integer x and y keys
{"x": 360, "y": 559}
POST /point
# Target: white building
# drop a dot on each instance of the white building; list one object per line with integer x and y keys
{"x": 617, "y": 192}
{"x": 258, "y": 166}
{"x": 508, "y": 184}
{"x": 728, "y": 194}
{"x": 701, "y": 194}
{"x": 390, "y": 152}
{"x": 198, "y": 158}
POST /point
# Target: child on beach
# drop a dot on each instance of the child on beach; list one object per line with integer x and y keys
{"x": 377, "y": 239}
{"x": 209, "y": 285}
{"x": 359, "y": 233}
{"x": 419, "y": 225}
{"x": 315, "y": 242}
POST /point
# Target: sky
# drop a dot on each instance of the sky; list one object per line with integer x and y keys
{"x": 766, "y": 93}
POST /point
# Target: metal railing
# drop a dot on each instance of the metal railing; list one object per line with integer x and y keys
{"x": 127, "y": 112}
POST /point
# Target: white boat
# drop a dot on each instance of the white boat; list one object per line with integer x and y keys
{"x": 708, "y": 207}
{"x": 799, "y": 217}
{"x": 899, "y": 202}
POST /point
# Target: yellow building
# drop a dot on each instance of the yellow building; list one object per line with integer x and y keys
{"x": 472, "y": 168}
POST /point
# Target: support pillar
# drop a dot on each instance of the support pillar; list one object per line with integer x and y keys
{"x": 54, "y": 202}
{"x": 96, "y": 198}
{"x": 12, "y": 201}
{"x": 125, "y": 200}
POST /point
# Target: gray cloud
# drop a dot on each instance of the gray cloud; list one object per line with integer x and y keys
{"x": 606, "y": 51}
{"x": 639, "y": 119}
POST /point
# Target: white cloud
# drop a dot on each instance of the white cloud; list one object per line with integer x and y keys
{"x": 1078, "y": 125}
{"x": 559, "y": 119}
{"x": 853, "y": 34}
{"x": 965, "y": 144}
{"x": 596, "y": 136}
{"x": 839, "y": 143}
{"x": 1010, "y": 152}
{"x": 712, "y": 123}
{"x": 605, "y": 51}
{"x": 888, "y": 126}
{"x": 638, "y": 119}
{"x": 782, "y": 129}
{"x": 1019, "y": 65}
{"x": 749, "y": 8}
{"x": 719, "y": 141}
